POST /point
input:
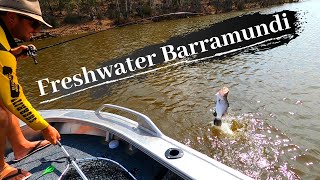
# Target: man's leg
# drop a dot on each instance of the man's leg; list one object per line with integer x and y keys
{"x": 3, "y": 125}
{"x": 5, "y": 169}
{"x": 20, "y": 145}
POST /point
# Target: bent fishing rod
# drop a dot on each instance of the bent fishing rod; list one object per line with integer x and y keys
{"x": 32, "y": 51}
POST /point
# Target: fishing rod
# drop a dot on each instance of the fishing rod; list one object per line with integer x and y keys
{"x": 121, "y": 25}
{"x": 31, "y": 51}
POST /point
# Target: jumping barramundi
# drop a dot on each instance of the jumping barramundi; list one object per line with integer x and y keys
{"x": 222, "y": 105}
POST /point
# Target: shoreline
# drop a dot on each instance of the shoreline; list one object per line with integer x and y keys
{"x": 104, "y": 24}
{"x": 97, "y": 25}
{"x": 73, "y": 29}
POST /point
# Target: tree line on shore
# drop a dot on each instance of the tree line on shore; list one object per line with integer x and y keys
{"x": 123, "y": 11}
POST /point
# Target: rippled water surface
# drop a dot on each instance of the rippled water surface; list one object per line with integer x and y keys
{"x": 274, "y": 94}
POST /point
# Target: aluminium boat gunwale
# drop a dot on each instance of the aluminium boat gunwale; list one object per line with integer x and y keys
{"x": 142, "y": 134}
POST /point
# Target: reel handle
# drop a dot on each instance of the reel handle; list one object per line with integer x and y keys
{"x": 32, "y": 52}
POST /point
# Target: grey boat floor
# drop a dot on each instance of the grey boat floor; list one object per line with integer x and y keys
{"x": 85, "y": 146}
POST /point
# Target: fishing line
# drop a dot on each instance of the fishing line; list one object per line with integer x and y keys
{"x": 126, "y": 24}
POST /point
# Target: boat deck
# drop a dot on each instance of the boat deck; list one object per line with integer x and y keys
{"x": 86, "y": 146}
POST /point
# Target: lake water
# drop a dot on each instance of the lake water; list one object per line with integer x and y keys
{"x": 274, "y": 94}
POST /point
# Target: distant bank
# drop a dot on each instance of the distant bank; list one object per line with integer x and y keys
{"x": 74, "y": 17}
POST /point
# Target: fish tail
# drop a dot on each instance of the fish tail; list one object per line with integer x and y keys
{"x": 217, "y": 122}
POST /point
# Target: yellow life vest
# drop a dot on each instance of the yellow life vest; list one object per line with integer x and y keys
{"x": 11, "y": 93}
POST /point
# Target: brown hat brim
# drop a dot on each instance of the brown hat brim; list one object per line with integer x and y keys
{"x": 34, "y": 16}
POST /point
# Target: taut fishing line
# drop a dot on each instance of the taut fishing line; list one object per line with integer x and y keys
{"x": 126, "y": 24}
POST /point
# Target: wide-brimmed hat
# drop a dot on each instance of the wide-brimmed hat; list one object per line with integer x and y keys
{"x": 29, "y": 8}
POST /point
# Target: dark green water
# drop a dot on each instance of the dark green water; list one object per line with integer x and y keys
{"x": 274, "y": 94}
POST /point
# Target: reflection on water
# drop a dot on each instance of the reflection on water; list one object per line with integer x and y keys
{"x": 273, "y": 94}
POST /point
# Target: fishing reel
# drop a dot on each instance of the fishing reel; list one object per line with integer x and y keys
{"x": 32, "y": 52}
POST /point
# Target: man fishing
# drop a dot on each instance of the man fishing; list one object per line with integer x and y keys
{"x": 222, "y": 105}
{"x": 18, "y": 19}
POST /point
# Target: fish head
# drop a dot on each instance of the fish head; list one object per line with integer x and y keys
{"x": 222, "y": 94}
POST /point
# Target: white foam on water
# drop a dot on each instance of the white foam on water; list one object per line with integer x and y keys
{"x": 226, "y": 128}
{"x": 231, "y": 126}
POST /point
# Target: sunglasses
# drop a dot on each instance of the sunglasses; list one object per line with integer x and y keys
{"x": 35, "y": 24}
